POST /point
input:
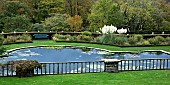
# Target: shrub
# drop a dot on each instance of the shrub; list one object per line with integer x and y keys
{"x": 153, "y": 41}
{"x": 167, "y": 40}
{"x": 87, "y": 33}
{"x": 11, "y": 39}
{"x": 6, "y": 41}
{"x": 106, "y": 39}
{"x": 120, "y": 40}
{"x": 24, "y": 38}
{"x": 1, "y": 39}
{"x": 58, "y": 37}
{"x": 72, "y": 38}
{"x": 132, "y": 40}
{"x": 84, "y": 38}
{"x": 75, "y": 22}
{"x": 160, "y": 39}
{"x": 24, "y": 68}
{"x": 138, "y": 38}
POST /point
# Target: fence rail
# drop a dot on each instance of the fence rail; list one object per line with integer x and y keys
{"x": 144, "y": 64}
{"x": 53, "y": 68}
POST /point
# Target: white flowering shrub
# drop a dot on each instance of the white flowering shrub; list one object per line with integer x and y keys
{"x": 108, "y": 29}
{"x": 121, "y": 31}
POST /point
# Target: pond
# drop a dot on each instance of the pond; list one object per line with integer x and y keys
{"x": 71, "y": 54}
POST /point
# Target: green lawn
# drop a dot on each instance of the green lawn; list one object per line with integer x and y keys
{"x": 122, "y": 78}
{"x": 161, "y": 77}
{"x": 113, "y": 48}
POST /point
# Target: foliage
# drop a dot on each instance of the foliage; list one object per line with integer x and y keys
{"x": 17, "y": 23}
{"x": 19, "y": 38}
{"x": 38, "y": 27}
{"x": 84, "y": 38}
{"x": 153, "y": 41}
{"x": 132, "y": 40}
{"x": 24, "y": 38}
{"x": 56, "y": 22}
{"x": 23, "y": 67}
{"x": 13, "y": 8}
{"x": 87, "y": 33}
{"x": 106, "y": 39}
{"x": 105, "y": 12}
{"x": 138, "y": 38}
{"x": 167, "y": 40}
{"x": 1, "y": 39}
{"x": 120, "y": 40}
{"x": 160, "y": 39}
{"x": 59, "y": 37}
{"x": 75, "y": 23}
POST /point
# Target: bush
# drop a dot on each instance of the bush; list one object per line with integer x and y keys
{"x": 143, "y": 43}
{"x": 120, "y": 40}
{"x": 138, "y": 38}
{"x": 11, "y": 39}
{"x": 106, "y": 39}
{"x": 58, "y": 37}
{"x": 160, "y": 39}
{"x": 1, "y": 39}
{"x": 87, "y": 33}
{"x": 24, "y": 38}
{"x": 153, "y": 41}
{"x": 84, "y": 38}
{"x": 24, "y": 68}
{"x": 132, "y": 40}
{"x": 167, "y": 40}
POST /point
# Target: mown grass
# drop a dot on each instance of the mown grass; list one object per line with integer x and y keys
{"x": 159, "y": 77}
{"x": 123, "y": 78}
{"x": 113, "y": 48}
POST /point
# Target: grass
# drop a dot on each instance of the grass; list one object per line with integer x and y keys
{"x": 124, "y": 78}
{"x": 113, "y": 48}
{"x": 156, "y": 77}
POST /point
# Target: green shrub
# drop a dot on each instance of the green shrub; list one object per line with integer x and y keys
{"x": 160, "y": 39}
{"x": 106, "y": 39}
{"x": 6, "y": 41}
{"x": 138, "y": 38}
{"x": 167, "y": 40}
{"x": 120, "y": 40}
{"x": 24, "y": 68}
{"x": 84, "y": 38}
{"x": 72, "y": 38}
{"x": 1, "y": 39}
{"x": 132, "y": 40}
{"x": 24, "y": 38}
{"x": 11, "y": 39}
{"x": 58, "y": 37}
{"x": 87, "y": 33}
{"x": 153, "y": 41}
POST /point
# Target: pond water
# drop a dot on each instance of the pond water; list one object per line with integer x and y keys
{"x": 71, "y": 54}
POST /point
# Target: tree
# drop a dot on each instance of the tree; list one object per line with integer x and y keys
{"x": 75, "y": 23}
{"x": 13, "y": 8}
{"x": 142, "y": 14}
{"x": 57, "y": 22}
{"x": 18, "y": 23}
{"x": 105, "y": 12}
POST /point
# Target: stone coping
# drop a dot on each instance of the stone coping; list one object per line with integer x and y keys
{"x": 86, "y": 47}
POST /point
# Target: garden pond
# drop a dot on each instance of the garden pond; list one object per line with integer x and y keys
{"x": 76, "y": 54}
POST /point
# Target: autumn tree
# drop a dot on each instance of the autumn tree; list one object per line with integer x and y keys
{"x": 75, "y": 23}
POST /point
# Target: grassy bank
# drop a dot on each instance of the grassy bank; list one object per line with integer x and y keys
{"x": 123, "y": 78}
{"x": 159, "y": 77}
{"x": 113, "y": 48}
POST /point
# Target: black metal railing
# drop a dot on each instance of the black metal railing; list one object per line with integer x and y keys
{"x": 53, "y": 68}
{"x": 144, "y": 64}
{"x": 50, "y": 68}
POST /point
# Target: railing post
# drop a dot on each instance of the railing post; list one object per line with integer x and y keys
{"x": 111, "y": 65}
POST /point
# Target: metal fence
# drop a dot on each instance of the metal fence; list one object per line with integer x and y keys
{"x": 53, "y": 68}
